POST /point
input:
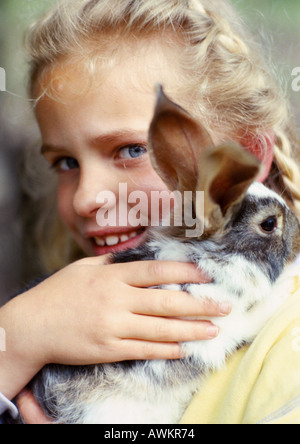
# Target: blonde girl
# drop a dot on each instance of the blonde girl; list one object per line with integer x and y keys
{"x": 94, "y": 64}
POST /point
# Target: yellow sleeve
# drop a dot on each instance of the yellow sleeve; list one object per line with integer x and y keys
{"x": 260, "y": 384}
{"x": 287, "y": 415}
{"x": 275, "y": 396}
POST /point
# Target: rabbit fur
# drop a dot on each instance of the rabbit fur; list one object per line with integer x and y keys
{"x": 250, "y": 236}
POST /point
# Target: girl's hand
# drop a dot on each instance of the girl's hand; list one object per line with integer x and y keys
{"x": 91, "y": 313}
{"x": 108, "y": 314}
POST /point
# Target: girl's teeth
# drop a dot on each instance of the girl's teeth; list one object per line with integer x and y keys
{"x": 111, "y": 241}
{"x": 100, "y": 242}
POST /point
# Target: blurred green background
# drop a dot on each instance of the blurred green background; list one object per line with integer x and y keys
{"x": 274, "y": 22}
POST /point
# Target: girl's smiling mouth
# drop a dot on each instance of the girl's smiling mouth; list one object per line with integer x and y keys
{"x": 113, "y": 242}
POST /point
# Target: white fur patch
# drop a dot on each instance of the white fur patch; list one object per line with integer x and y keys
{"x": 259, "y": 191}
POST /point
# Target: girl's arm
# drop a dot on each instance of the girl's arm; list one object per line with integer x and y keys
{"x": 91, "y": 313}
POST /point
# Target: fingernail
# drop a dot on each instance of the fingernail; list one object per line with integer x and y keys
{"x": 225, "y": 309}
{"x": 212, "y": 331}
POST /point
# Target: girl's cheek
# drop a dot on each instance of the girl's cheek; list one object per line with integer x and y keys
{"x": 150, "y": 195}
{"x": 65, "y": 204}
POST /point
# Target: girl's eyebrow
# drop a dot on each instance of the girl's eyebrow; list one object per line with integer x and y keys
{"x": 51, "y": 148}
{"x": 112, "y": 136}
{"x": 105, "y": 138}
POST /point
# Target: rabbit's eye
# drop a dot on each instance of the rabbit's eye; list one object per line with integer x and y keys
{"x": 269, "y": 225}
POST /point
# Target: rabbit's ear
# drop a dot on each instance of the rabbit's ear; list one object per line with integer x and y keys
{"x": 226, "y": 173}
{"x": 176, "y": 142}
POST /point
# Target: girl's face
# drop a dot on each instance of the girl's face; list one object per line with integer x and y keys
{"x": 96, "y": 139}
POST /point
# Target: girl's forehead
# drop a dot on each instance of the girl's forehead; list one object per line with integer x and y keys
{"x": 83, "y": 95}
{"x": 142, "y": 63}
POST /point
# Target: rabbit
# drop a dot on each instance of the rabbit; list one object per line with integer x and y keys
{"x": 249, "y": 237}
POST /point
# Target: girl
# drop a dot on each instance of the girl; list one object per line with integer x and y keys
{"x": 94, "y": 64}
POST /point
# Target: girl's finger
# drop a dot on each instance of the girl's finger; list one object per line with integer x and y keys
{"x": 175, "y": 304}
{"x": 30, "y": 410}
{"x": 150, "y": 273}
{"x": 98, "y": 260}
{"x": 145, "y": 350}
{"x": 155, "y": 329}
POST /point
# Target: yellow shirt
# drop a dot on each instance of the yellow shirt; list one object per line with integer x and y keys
{"x": 260, "y": 384}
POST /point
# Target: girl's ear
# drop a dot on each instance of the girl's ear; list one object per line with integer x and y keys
{"x": 264, "y": 152}
{"x": 176, "y": 142}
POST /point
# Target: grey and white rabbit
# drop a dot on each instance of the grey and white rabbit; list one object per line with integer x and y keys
{"x": 250, "y": 236}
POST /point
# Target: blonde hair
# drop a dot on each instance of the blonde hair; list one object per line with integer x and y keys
{"x": 229, "y": 83}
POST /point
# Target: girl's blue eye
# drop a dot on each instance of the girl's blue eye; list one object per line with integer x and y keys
{"x": 132, "y": 151}
{"x": 66, "y": 164}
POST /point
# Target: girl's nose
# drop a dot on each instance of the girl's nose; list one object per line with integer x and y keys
{"x": 91, "y": 183}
